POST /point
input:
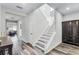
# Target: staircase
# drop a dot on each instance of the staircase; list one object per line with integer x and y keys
{"x": 44, "y": 41}
{"x": 48, "y": 34}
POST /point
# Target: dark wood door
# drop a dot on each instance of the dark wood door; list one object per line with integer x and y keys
{"x": 70, "y": 32}
{"x": 67, "y": 32}
{"x": 76, "y": 32}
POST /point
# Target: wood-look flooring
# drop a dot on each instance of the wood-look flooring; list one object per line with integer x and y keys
{"x": 65, "y": 49}
{"x": 62, "y": 49}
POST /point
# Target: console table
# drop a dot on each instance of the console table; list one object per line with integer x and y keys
{"x": 6, "y": 44}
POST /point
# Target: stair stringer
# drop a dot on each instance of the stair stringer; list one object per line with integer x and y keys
{"x": 50, "y": 40}
{"x": 52, "y": 45}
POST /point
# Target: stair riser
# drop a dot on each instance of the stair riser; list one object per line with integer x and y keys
{"x": 45, "y": 38}
{"x": 43, "y": 46}
{"x": 43, "y": 41}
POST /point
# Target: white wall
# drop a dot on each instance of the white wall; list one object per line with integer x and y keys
{"x": 74, "y": 16}
{"x": 37, "y": 24}
{"x": 25, "y": 29}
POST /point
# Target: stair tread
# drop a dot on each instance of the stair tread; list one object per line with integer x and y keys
{"x": 46, "y": 35}
{"x": 50, "y": 32}
{"x": 44, "y": 38}
{"x": 39, "y": 47}
{"x": 43, "y": 41}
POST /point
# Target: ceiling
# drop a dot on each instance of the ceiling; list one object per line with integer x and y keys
{"x": 66, "y": 8}
{"x": 63, "y": 8}
{"x": 22, "y": 7}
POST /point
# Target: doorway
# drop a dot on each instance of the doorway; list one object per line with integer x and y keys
{"x": 12, "y": 31}
{"x": 11, "y": 28}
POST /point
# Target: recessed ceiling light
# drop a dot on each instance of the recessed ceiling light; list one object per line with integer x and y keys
{"x": 67, "y": 8}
